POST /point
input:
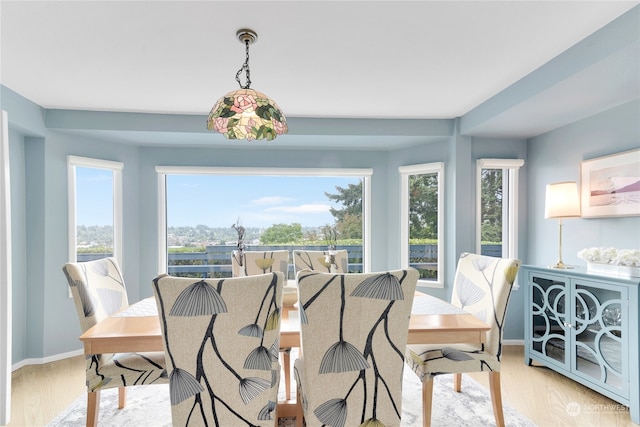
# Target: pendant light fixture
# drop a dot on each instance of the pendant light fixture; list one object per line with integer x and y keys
{"x": 246, "y": 113}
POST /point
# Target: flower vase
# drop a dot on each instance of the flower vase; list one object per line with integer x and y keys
{"x": 624, "y": 271}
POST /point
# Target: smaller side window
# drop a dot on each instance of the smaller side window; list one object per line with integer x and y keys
{"x": 422, "y": 224}
{"x": 497, "y": 212}
{"x": 95, "y": 209}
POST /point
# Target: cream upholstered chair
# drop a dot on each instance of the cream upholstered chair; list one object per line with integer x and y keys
{"x": 321, "y": 261}
{"x": 353, "y": 334}
{"x": 99, "y": 291}
{"x": 221, "y": 345}
{"x": 260, "y": 262}
{"x": 482, "y": 287}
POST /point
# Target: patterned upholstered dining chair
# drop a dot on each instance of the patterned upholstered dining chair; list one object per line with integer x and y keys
{"x": 321, "y": 261}
{"x": 251, "y": 263}
{"x": 98, "y": 291}
{"x": 221, "y": 344}
{"x": 353, "y": 334}
{"x": 482, "y": 287}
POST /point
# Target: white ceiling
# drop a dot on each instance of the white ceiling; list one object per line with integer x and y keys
{"x": 345, "y": 59}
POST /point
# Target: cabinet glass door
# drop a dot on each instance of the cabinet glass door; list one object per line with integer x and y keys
{"x": 599, "y": 318}
{"x": 548, "y": 321}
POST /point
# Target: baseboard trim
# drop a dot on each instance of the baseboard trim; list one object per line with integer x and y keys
{"x": 513, "y": 342}
{"x": 42, "y": 361}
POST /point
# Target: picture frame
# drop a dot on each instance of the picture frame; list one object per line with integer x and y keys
{"x": 610, "y": 185}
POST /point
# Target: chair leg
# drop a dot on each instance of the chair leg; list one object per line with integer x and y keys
{"x": 427, "y": 397}
{"x": 122, "y": 397}
{"x": 457, "y": 382}
{"x": 496, "y": 397}
{"x": 93, "y": 407}
{"x": 286, "y": 358}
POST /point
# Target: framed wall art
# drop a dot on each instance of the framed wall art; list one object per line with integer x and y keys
{"x": 610, "y": 185}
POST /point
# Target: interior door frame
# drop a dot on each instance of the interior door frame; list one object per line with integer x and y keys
{"x": 5, "y": 273}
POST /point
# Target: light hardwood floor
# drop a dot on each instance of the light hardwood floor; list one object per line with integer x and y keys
{"x": 40, "y": 392}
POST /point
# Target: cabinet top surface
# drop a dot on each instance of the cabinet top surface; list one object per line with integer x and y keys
{"x": 581, "y": 272}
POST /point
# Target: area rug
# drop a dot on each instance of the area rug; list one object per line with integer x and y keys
{"x": 149, "y": 406}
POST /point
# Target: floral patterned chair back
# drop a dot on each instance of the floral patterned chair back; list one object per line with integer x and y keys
{"x": 259, "y": 262}
{"x": 482, "y": 287}
{"x": 99, "y": 291}
{"x": 221, "y": 339}
{"x": 321, "y": 261}
{"x": 354, "y": 329}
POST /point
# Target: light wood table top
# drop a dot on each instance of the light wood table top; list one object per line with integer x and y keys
{"x": 137, "y": 329}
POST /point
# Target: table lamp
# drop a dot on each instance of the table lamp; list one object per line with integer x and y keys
{"x": 561, "y": 201}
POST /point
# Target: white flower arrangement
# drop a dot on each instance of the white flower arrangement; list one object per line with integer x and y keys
{"x": 628, "y": 257}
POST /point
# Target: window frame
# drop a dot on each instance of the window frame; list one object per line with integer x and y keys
{"x": 421, "y": 169}
{"x": 510, "y": 200}
{"x": 163, "y": 171}
{"x": 116, "y": 169}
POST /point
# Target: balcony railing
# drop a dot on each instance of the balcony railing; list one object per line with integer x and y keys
{"x": 215, "y": 261}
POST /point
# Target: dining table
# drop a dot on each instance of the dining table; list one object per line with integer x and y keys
{"x": 137, "y": 329}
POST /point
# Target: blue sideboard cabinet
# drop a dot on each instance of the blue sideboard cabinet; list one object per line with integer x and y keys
{"x": 585, "y": 327}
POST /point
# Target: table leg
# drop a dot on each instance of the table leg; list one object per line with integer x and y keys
{"x": 93, "y": 408}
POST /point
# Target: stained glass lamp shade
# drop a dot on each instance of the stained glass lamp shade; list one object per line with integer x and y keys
{"x": 246, "y": 113}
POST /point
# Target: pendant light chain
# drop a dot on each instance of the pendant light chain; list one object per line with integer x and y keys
{"x": 245, "y": 67}
{"x": 246, "y": 113}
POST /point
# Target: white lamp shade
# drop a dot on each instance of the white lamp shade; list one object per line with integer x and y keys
{"x": 562, "y": 200}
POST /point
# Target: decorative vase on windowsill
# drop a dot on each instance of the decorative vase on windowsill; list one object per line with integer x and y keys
{"x": 612, "y": 262}
{"x": 331, "y": 236}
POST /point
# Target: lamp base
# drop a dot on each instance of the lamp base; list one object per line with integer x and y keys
{"x": 561, "y": 266}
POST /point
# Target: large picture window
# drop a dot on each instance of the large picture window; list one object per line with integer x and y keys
{"x": 422, "y": 225}
{"x": 497, "y": 195}
{"x": 201, "y": 209}
{"x": 95, "y": 209}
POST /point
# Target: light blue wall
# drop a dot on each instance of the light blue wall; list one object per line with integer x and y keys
{"x": 35, "y": 237}
{"x": 26, "y": 125}
{"x": 430, "y": 152}
{"x": 556, "y": 156}
{"x": 44, "y": 318}
{"x": 18, "y": 246}
{"x": 61, "y": 329}
{"x": 50, "y": 324}
{"x": 459, "y": 155}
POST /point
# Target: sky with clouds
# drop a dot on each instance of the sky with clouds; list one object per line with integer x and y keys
{"x": 220, "y": 201}
{"x": 256, "y": 201}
